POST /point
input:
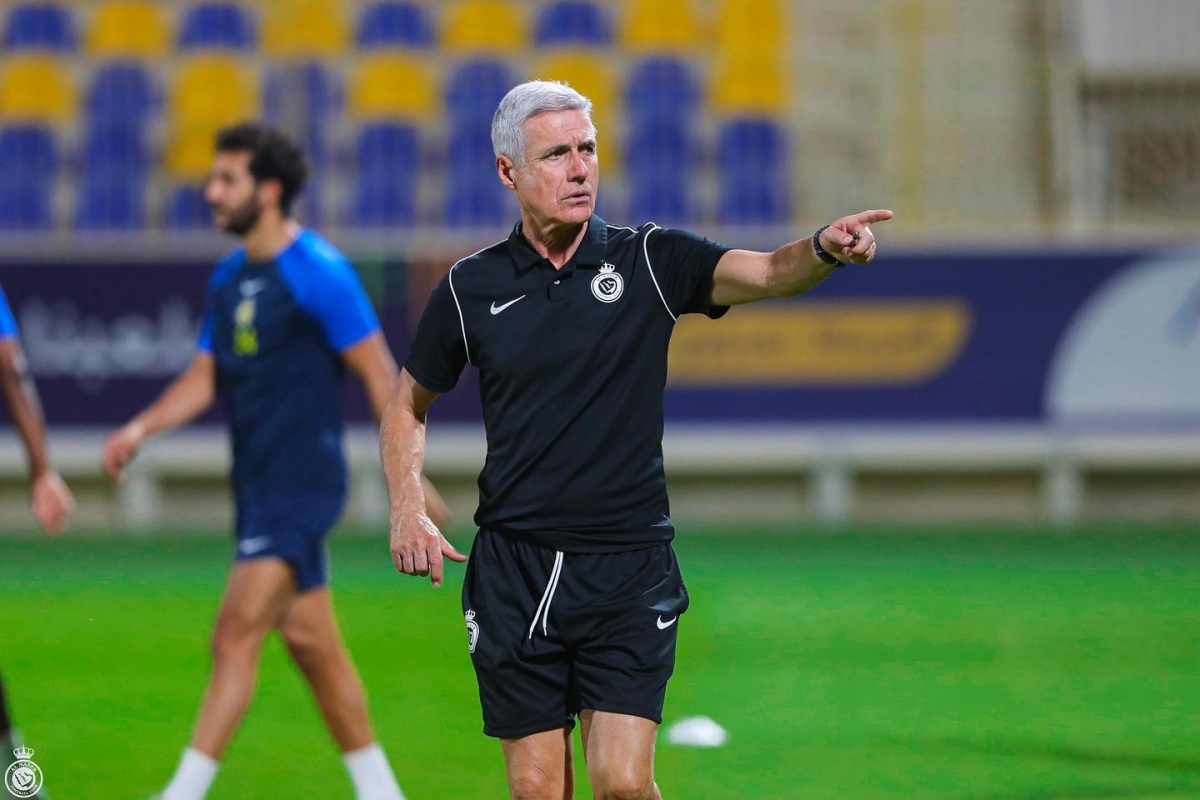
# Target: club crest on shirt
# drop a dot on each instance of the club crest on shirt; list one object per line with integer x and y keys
{"x": 472, "y": 630}
{"x": 23, "y": 778}
{"x": 608, "y": 284}
{"x": 245, "y": 336}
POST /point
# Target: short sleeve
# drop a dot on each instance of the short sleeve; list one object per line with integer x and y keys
{"x": 332, "y": 293}
{"x": 8, "y": 323}
{"x": 439, "y": 350}
{"x": 204, "y": 343}
{"x": 683, "y": 264}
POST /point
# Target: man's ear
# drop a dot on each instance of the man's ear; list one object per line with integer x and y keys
{"x": 506, "y": 169}
{"x": 270, "y": 193}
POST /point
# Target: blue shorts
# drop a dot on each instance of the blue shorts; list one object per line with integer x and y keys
{"x": 292, "y": 529}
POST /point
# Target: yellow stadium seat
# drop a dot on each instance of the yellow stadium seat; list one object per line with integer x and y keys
{"x": 392, "y": 85}
{"x": 188, "y": 154}
{"x": 128, "y": 28}
{"x": 485, "y": 26}
{"x": 305, "y": 29}
{"x": 593, "y": 78}
{"x": 661, "y": 26}
{"x": 36, "y": 88}
{"x": 212, "y": 91}
{"x": 753, "y": 84}
{"x": 752, "y": 26}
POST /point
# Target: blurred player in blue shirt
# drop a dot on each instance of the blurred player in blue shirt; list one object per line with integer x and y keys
{"x": 285, "y": 316}
{"x": 50, "y": 498}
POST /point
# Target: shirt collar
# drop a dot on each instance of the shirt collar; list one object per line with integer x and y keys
{"x": 590, "y": 253}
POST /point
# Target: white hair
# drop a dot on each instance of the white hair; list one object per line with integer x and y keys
{"x": 528, "y": 100}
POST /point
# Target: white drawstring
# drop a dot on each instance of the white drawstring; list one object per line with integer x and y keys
{"x": 543, "y": 609}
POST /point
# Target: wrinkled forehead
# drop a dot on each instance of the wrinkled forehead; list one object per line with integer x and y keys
{"x": 550, "y": 128}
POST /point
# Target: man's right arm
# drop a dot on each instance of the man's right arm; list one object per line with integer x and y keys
{"x": 418, "y": 547}
{"x": 186, "y": 398}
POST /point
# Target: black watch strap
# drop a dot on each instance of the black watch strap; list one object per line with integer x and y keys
{"x": 821, "y": 252}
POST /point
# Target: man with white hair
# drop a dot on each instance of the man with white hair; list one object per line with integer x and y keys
{"x": 573, "y": 591}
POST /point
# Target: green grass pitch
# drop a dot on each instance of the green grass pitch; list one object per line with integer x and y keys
{"x": 861, "y": 665}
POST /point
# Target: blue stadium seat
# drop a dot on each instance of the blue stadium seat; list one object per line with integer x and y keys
{"x": 470, "y": 205}
{"x": 187, "y": 209}
{"x": 111, "y": 199}
{"x": 40, "y": 26}
{"x": 122, "y": 92}
{"x": 660, "y": 147}
{"x": 475, "y": 89}
{"x": 661, "y": 197}
{"x": 662, "y": 89}
{"x": 28, "y": 166}
{"x": 573, "y": 22}
{"x": 303, "y": 99}
{"x": 217, "y": 25}
{"x": 395, "y": 24}
{"x": 117, "y": 146}
{"x": 386, "y": 193}
{"x": 752, "y": 155}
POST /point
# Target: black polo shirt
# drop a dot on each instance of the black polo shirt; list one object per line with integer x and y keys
{"x": 572, "y": 366}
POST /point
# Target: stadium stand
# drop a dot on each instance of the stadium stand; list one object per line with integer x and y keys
{"x": 661, "y": 26}
{"x": 217, "y": 26}
{"x": 485, "y": 26}
{"x": 573, "y": 23}
{"x": 28, "y": 163}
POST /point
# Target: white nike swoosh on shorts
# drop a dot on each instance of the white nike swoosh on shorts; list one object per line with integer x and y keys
{"x": 662, "y": 626}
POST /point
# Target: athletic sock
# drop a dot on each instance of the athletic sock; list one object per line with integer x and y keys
{"x": 371, "y": 774}
{"x": 192, "y": 778}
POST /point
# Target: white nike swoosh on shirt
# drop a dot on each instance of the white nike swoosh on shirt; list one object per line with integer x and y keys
{"x": 249, "y": 547}
{"x": 252, "y": 287}
{"x": 497, "y": 309}
{"x": 662, "y": 626}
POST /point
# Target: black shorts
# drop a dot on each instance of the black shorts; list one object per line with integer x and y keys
{"x": 553, "y": 633}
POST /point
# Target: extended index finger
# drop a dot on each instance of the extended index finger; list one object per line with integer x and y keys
{"x": 873, "y": 216}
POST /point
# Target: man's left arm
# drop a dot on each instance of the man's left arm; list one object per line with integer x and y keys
{"x": 50, "y": 498}
{"x": 743, "y": 276}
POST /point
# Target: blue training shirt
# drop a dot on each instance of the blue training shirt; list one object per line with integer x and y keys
{"x": 8, "y": 323}
{"x": 277, "y": 330}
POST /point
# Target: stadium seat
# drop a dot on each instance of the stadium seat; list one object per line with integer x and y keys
{"x": 386, "y": 191}
{"x": 752, "y": 26}
{"x": 128, "y": 29}
{"x": 212, "y": 91}
{"x": 661, "y": 171}
{"x": 588, "y": 75}
{"x": 305, "y": 29}
{"x": 485, "y": 26}
{"x": 302, "y": 98}
{"x": 111, "y": 200}
{"x": 186, "y": 208}
{"x": 390, "y": 86}
{"x": 474, "y": 194}
{"x": 28, "y": 166}
{"x": 395, "y": 24}
{"x": 749, "y": 85}
{"x": 121, "y": 92}
{"x": 661, "y": 26}
{"x": 752, "y": 155}
{"x": 118, "y": 147}
{"x": 188, "y": 153}
{"x": 662, "y": 88}
{"x": 36, "y": 88}
{"x": 217, "y": 26}
{"x": 39, "y": 26}
{"x": 475, "y": 88}
{"x": 573, "y": 23}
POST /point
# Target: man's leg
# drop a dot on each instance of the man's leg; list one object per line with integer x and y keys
{"x": 256, "y": 597}
{"x": 310, "y": 630}
{"x": 539, "y": 766}
{"x": 619, "y": 751}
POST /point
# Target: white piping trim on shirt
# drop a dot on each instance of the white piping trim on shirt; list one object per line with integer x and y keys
{"x": 547, "y": 596}
{"x": 650, "y": 267}
{"x": 462, "y": 322}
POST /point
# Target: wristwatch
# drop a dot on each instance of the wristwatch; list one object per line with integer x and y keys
{"x": 822, "y": 253}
